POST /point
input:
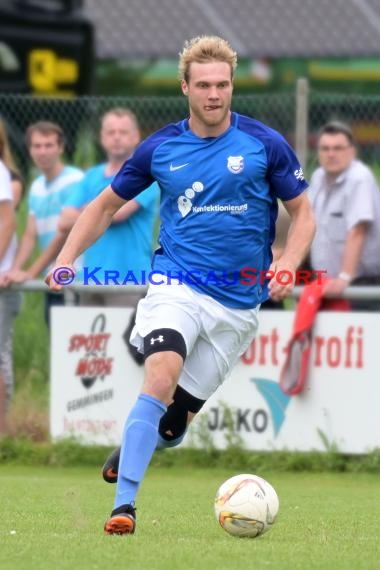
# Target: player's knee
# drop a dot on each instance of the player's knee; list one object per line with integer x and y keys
{"x": 161, "y": 340}
{"x": 173, "y": 423}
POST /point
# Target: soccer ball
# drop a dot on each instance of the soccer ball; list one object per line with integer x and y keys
{"x": 246, "y": 505}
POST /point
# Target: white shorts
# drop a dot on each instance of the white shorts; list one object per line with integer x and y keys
{"x": 215, "y": 335}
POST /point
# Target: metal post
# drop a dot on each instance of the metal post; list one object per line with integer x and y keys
{"x": 301, "y": 120}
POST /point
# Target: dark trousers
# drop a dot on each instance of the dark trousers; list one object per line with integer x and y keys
{"x": 365, "y": 304}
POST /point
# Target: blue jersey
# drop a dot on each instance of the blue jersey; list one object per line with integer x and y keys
{"x": 218, "y": 204}
{"x": 124, "y": 246}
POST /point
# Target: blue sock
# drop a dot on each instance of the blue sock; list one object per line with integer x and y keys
{"x": 139, "y": 442}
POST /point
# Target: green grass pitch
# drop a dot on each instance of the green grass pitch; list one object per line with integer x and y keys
{"x": 52, "y": 519}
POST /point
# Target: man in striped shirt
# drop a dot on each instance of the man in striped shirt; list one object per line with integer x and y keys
{"x": 49, "y": 194}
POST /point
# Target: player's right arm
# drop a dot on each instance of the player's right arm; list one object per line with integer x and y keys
{"x": 91, "y": 224}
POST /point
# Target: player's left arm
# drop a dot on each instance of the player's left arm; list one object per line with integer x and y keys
{"x": 298, "y": 241}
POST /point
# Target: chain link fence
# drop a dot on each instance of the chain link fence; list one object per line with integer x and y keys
{"x": 80, "y": 120}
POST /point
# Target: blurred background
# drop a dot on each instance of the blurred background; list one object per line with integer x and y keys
{"x": 69, "y": 60}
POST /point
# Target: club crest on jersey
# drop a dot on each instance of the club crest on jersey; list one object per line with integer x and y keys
{"x": 235, "y": 164}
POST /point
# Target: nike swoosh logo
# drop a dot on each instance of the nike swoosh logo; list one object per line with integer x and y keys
{"x": 173, "y": 168}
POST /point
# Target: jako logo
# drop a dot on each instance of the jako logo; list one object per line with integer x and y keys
{"x": 276, "y": 400}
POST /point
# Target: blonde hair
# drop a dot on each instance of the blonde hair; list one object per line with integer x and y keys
{"x": 5, "y": 151}
{"x": 202, "y": 49}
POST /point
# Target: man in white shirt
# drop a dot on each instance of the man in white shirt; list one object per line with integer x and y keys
{"x": 346, "y": 202}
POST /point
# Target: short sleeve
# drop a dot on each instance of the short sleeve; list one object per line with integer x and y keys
{"x": 361, "y": 201}
{"x": 284, "y": 170}
{"x": 148, "y": 197}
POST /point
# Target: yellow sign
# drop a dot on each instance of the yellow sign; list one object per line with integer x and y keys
{"x": 47, "y": 72}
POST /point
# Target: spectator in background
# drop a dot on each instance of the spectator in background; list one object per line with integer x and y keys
{"x": 127, "y": 244}
{"x": 346, "y": 202}
{"x": 49, "y": 194}
{"x": 17, "y": 183}
{"x": 9, "y": 300}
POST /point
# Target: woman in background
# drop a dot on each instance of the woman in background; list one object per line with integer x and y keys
{"x": 17, "y": 184}
{"x": 11, "y": 191}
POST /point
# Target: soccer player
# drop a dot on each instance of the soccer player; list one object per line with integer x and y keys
{"x": 220, "y": 175}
